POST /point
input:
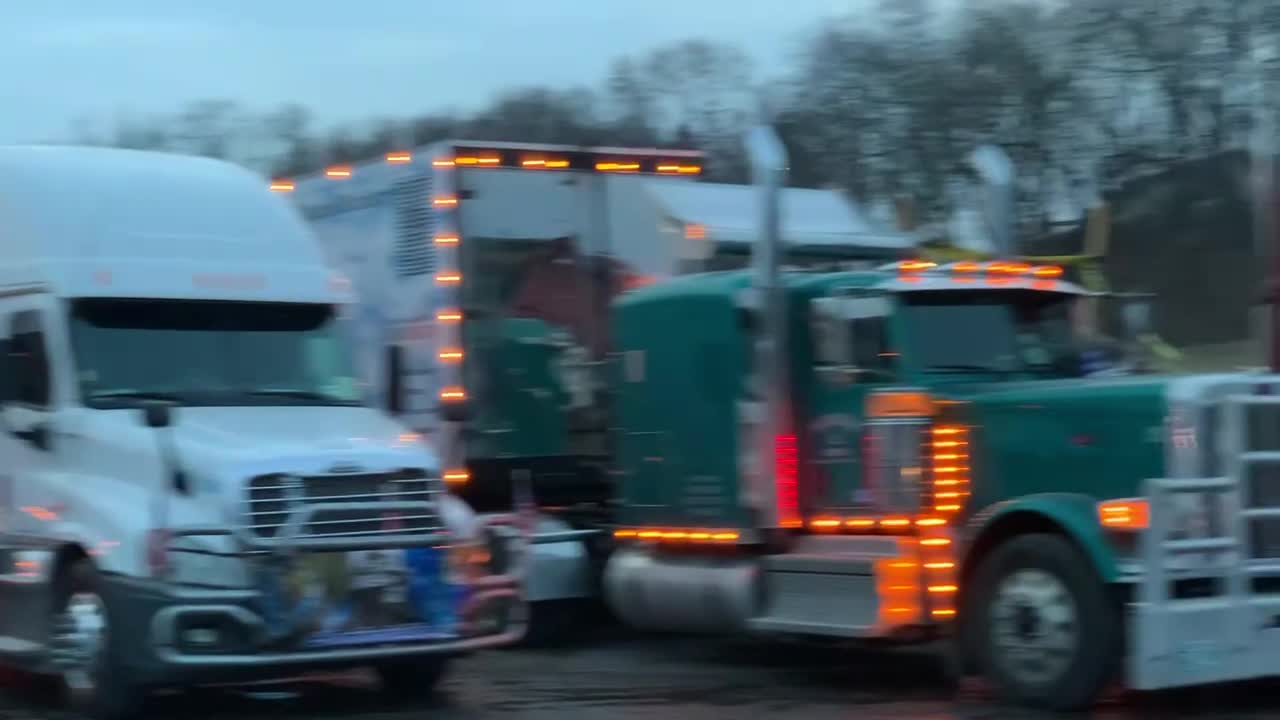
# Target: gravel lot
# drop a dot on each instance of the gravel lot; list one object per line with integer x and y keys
{"x": 610, "y": 673}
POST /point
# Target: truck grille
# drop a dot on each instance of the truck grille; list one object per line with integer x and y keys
{"x": 894, "y": 465}
{"x": 323, "y": 505}
{"x": 1261, "y": 481}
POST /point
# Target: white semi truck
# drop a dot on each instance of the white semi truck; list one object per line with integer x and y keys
{"x": 483, "y": 273}
{"x": 191, "y": 489}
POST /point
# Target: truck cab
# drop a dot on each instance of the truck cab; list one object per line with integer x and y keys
{"x": 934, "y": 459}
{"x": 192, "y": 490}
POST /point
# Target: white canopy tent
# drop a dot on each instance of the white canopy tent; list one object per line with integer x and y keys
{"x": 710, "y": 217}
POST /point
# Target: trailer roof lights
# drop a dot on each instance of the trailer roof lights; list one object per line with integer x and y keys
{"x": 618, "y": 166}
{"x": 283, "y": 186}
{"x": 540, "y": 163}
{"x": 486, "y": 160}
{"x": 399, "y": 158}
{"x": 338, "y": 172}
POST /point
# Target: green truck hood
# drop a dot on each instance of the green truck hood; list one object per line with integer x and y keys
{"x": 1100, "y": 438}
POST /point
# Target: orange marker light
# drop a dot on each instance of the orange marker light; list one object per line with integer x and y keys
{"x": 453, "y": 393}
{"x": 282, "y": 186}
{"x": 1009, "y": 268}
{"x": 1047, "y": 271}
{"x": 618, "y": 166}
{"x": 916, "y": 265}
{"x": 457, "y": 476}
{"x": 448, "y": 278}
{"x": 442, "y": 163}
{"x": 899, "y": 404}
{"x": 399, "y": 158}
{"x": 445, "y": 201}
{"x": 449, "y": 316}
{"x": 338, "y": 172}
{"x": 446, "y": 239}
{"x": 449, "y": 355}
{"x": 825, "y": 523}
{"x": 1125, "y": 514}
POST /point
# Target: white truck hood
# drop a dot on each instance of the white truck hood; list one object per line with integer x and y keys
{"x": 221, "y": 448}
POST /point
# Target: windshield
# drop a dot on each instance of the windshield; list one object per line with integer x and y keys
{"x": 210, "y": 353}
{"x": 1002, "y": 332}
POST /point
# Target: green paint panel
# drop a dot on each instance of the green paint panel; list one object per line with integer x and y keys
{"x": 682, "y": 360}
{"x": 523, "y": 411}
{"x": 1097, "y": 438}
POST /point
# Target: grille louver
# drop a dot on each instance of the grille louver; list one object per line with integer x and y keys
{"x": 414, "y": 251}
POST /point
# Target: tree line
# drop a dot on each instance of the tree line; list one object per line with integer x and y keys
{"x": 1082, "y": 94}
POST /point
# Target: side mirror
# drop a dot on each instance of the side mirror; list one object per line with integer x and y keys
{"x": 7, "y": 372}
{"x": 157, "y": 415}
{"x": 1136, "y": 315}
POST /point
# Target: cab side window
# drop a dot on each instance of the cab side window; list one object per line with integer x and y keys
{"x": 28, "y": 361}
{"x": 872, "y": 350}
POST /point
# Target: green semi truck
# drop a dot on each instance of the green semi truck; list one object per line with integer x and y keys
{"x": 919, "y": 452}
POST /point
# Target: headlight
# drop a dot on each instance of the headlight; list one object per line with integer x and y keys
{"x": 1197, "y": 516}
{"x": 468, "y": 560}
{"x": 507, "y": 549}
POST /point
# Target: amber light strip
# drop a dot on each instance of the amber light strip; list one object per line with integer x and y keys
{"x": 703, "y": 535}
{"x": 950, "y": 454}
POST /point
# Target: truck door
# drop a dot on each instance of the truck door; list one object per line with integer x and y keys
{"x": 30, "y": 441}
{"x": 853, "y": 356}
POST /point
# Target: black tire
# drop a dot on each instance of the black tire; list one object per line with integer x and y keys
{"x": 112, "y": 696}
{"x": 1098, "y": 628}
{"x": 552, "y": 623}
{"x": 414, "y": 679}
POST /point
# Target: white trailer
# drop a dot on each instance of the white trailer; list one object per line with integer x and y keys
{"x": 483, "y": 273}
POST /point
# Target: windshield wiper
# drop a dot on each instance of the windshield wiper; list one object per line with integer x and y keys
{"x": 136, "y": 395}
{"x": 299, "y": 394}
{"x": 961, "y": 367}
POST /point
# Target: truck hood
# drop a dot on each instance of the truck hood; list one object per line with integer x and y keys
{"x": 220, "y": 448}
{"x": 249, "y": 434}
{"x": 1096, "y": 437}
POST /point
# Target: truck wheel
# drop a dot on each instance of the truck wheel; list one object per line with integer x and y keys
{"x": 551, "y": 623}
{"x": 87, "y": 651}
{"x": 1047, "y": 633}
{"x": 411, "y": 679}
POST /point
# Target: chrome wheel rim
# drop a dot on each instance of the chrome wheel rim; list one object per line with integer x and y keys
{"x": 82, "y": 637}
{"x": 1034, "y": 627}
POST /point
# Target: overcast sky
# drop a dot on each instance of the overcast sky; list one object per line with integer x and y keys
{"x": 69, "y": 59}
